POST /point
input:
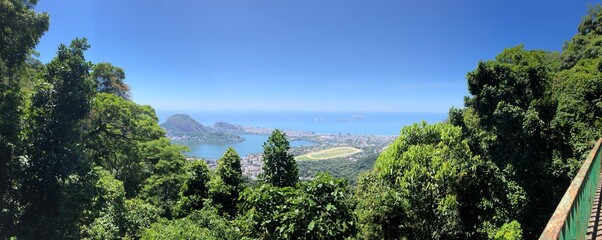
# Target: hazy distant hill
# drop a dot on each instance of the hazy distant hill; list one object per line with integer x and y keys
{"x": 182, "y": 127}
{"x": 226, "y": 127}
{"x": 182, "y": 123}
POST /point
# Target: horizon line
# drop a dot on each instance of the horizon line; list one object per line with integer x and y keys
{"x": 308, "y": 111}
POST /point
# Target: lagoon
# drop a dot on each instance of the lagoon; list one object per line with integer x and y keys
{"x": 252, "y": 144}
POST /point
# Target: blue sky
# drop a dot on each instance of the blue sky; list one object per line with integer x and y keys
{"x": 304, "y": 55}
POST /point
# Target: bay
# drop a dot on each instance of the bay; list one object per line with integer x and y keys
{"x": 356, "y": 123}
{"x": 253, "y": 144}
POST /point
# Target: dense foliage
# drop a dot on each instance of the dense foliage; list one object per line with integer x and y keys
{"x": 429, "y": 185}
{"x": 318, "y": 209}
{"x": 21, "y": 30}
{"x": 227, "y": 184}
{"x": 279, "y": 166}
{"x": 80, "y": 160}
{"x": 195, "y": 189}
{"x": 536, "y": 115}
{"x": 117, "y": 132}
{"x": 110, "y": 79}
{"x": 55, "y": 161}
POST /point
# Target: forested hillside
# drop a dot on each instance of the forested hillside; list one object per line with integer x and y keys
{"x": 80, "y": 160}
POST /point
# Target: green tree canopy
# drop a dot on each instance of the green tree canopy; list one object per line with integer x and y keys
{"x": 202, "y": 224}
{"x": 116, "y": 131}
{"x": 20, "y": 30}
{"x": 508, "y": 122}
{"x": 279, "y": 166}
{"x": 578, "y": 90}
{"x": 318, "y": 209}
{"x": 229, "y": 168}
{"x": 167, "y": 176}
{"x": 106, "y": 208}
{"x": 427, "y": 185}
{"x": 56, "y": 114}
{"x": 195, "y": 190}
{"x": 110, "y": 79}
{"x": 586, "y": 43}
{"x": 227, "y": 184}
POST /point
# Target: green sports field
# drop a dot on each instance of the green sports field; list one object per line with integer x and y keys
{"x": 328, "y": 153}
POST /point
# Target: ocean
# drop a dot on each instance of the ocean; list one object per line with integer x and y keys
{"x": 356, "y": 123}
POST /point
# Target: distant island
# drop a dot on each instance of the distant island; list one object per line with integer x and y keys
{"x": 182, "y": 127}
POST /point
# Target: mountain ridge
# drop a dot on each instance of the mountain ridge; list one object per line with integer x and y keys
{"x": 182, "y": 127}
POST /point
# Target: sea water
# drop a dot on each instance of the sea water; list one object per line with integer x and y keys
{"x": 357, "y": 123}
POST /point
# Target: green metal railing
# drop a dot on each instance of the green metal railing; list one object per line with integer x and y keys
{"x": 571, "y": 218}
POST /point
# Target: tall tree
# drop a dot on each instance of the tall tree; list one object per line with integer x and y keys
{"x": 167, "y": 176}
{"x": 115, "y": 131}
{"x": 227, "y": 184}
{"x": 279, "y": 166}
{"x": 511, "y": 107}
{"x": 20, "y": 30}
{"x": 195, "y": 189}
{"x": 55, "y": 158}
{"x": 110, "y": 79}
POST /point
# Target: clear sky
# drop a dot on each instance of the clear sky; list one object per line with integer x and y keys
{"x": 304, "y": 55}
